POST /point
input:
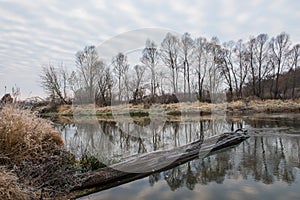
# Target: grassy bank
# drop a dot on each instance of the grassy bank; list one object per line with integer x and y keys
{"x": 33, "y": 161}
{"x": 185, "y": 108}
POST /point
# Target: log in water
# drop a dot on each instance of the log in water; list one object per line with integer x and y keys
{"x": 144, "y": 165}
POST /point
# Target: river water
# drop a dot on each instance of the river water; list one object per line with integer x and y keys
{"x": 265, "y": 166}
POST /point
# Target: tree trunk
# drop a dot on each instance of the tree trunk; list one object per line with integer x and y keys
{"x": 188, "y": 80}
{"x": 294, "y": 81}
{"x": 199, "y": 87}
{"x": 277, "y": 81}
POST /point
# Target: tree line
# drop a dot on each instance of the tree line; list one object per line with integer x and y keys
{"x": 182, "y": 66}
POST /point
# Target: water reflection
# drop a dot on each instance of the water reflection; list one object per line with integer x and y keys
{"x": 113, "y": 142}
{"x": 269, "y": 157}
{"x": 262, "y": 159}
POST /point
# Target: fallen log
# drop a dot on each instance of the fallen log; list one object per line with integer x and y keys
{"x": 145, "y": 165}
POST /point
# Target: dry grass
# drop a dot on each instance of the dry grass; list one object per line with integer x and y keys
{"x": 272, "y": 106}
{"x": 34, "y": 150}
{"x": 176, "y": 109}
{"x": 65, "y": 109}
{"x": 236, "y": 104}
{"x": 10, "y": 188}
{"x": 23, "y": 135}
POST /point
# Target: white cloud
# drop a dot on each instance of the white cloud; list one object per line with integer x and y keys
{"x": 33, "y": 33}
{"x": 243, "y": 17}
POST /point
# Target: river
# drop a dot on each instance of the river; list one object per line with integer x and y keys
{"x": 265, "y": 166}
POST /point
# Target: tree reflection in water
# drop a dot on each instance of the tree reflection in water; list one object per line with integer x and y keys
{"x": 115, "y": 141}
{"x": 265, "y": 163}
{"x": 271, "y": 154}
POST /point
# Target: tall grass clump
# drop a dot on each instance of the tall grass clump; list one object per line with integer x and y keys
{"x": 24, "y": 136}
{"x": 33, "y": 150}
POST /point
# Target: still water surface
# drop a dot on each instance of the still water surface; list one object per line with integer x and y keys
{"x": 266, "y": 166}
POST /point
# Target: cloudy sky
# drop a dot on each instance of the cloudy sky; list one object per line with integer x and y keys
{"x": 36, "y": 33}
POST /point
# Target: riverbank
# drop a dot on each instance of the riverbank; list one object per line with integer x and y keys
{"x": 179, "y": 109}
{"x": 34, "y": 163}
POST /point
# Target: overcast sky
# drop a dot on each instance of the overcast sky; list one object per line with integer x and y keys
{"x": 38, "y": 32}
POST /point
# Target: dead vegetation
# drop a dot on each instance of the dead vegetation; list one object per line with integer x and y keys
{"x": 10, "y": 188}
{"x": 275, "y": 106}
{"x": 186, "y": 108}
{"x": 33, "y": 152}
{"x": 23, "y": 135}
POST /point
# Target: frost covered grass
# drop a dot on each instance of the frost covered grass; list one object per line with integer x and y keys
{"x": 33, "y": 161}
{"x": 10, "y": 188}
{"x": 24, "y": 136}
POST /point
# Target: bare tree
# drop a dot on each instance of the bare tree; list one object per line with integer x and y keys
{"x": 74, "y": 82}
{"x": 262, "y": 60}
{"x": 233, "y": 62}
{"x": 121, "y": 67}
{"x": 227, "y": 66}
{"x": 137, "y": 82}
{"x": 169, "y": 56}
{"x": 54, "y": 81}
{"x": 191, "y": 65}
{"x": 88, "y": 65}
{"x": 150, "y": 57}
{"x": 279, "y": 48}
{"x": 242, "y": 69}
{"x": 294, "y": 56}
{"x": 105, "y": 84}
{"x": 253, "y": 70}
{"x": 186, "y": 51}
{"x": 215, "y": 59}
{"x": 200, "y": 53}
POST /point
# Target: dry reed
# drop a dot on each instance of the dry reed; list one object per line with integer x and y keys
{"x": 33, "y": 149}
{"x": 23, "y": 135}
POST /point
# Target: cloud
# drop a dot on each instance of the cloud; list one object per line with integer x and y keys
{"x": 34, "y": 33}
